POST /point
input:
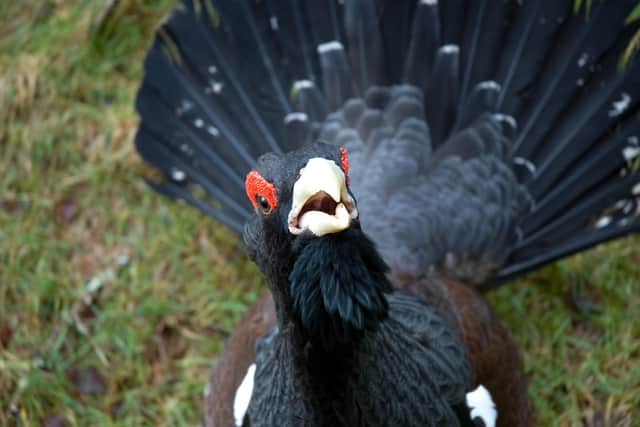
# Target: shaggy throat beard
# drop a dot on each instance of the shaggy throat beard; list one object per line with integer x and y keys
{"x": 338, "y": 283}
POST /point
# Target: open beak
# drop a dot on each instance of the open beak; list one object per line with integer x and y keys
{"x": 321, "y": 202}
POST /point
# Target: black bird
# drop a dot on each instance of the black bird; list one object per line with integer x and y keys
{"x": 420, "y": 152}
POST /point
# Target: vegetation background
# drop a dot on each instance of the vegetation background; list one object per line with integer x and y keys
{"x": 114, "y": 301}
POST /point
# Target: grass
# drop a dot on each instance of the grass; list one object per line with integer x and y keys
{"x": 114, "y": 301}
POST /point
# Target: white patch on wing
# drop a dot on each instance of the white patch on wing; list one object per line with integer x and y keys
{"x": 243, "y": 395}
{"x": 482, "y": 406}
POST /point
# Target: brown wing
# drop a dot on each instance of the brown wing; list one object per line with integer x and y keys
{"x": 238, "y": 354}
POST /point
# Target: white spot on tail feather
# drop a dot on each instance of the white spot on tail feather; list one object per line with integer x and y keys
{"x": 217, "y": 86}
{"x": 489, "y": 84}
{"x": 582, "y": 61}
{"x": 300, "y": 117}
{"x": 603, "y": 222}
{"x": 450, "y": 49}
{"x": 526, "y": 163}
{"x": 504, "y": 118}
{"x": 177, "y": 174}
{"x": 329, "y": 46}
{"x": 243, "y": 396}
{"x": 630, "y": 153}
{"x": 302, "y": 84}
{"x": 482, "y": 406}
{"x": 213, "y": 131}
{"x": 429, "y": 2}
{"x": 619, "y": 107}
{"x": 185, "y": 106}
{"x": 274, "y": 23}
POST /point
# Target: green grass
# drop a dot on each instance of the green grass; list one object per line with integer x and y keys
{"x": 98, "y": 271}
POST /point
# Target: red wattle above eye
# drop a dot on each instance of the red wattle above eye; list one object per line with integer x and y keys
{"x": 256, "y": 186}
{"x": 344, "y": 154}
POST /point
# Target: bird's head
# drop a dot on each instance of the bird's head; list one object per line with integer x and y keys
{"x": 306, "y": 237}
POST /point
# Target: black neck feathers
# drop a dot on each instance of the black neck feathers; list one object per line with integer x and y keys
{"x": 337, "y": 287}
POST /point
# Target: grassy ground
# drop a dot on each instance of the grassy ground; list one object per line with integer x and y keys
{"x": 114, "y": 301}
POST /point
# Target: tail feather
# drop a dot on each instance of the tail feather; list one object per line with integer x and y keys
{"x": 365, "y": 44}
{"x": 542, "y": 257}
{"x": 395, "y": 19}
{"x": 322, "y": 17}
{"x": 509, "y": 68}
{"x": 336, "y": 74}
{"x": 255, "y": 37}
{"x": 488, "y": 42}
{"x": 503, "y": 134}
{"x": 482, "y": 99}
{"x": 580, "y": 214}
{"x": 188, "y": 146}
{"x": 592, "y": 115}
{"x": 308, "y": 99}
{"x": 197, "y": 117}
{"x": 298, "y": 131}
{"x": 443, "y": 92}
{"x": 533, "y": 37}
{"x": 182, "y": 169}
{"x": 248, "y": 86}
{"x": 218, "y": 77}
{"x": 295, "y": 51}
{"x": 565, "y": 72}
{"x": 425, "y": 38}
{"x": 602, "y": 163}
{"x": 174, "y": 191}
{"x": 452, "y": 13}
{"x": 471, "y": 41}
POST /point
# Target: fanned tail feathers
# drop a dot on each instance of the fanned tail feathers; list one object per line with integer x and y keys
{"x": 487, "y": 138}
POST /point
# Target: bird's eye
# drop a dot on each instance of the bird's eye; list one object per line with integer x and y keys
{"x": 261, "y": 193}
{"x": 263, "y": 203}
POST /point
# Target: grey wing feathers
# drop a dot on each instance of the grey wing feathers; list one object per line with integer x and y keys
{"x": 463, "y": 200}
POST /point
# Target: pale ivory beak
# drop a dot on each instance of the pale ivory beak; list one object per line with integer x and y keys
{"x": 321, "y": 202}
